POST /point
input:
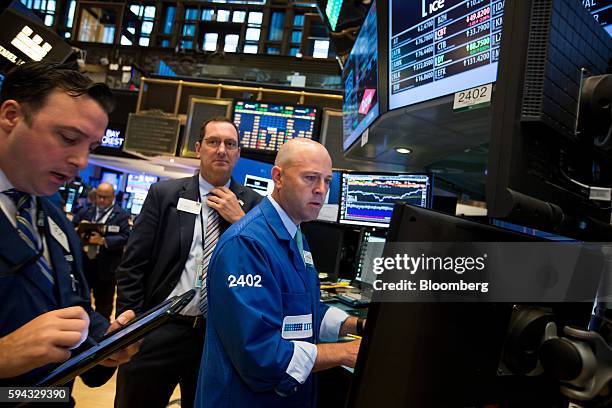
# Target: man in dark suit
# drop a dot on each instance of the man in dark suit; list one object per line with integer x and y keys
{"x": 103, "y": 252}
{"x": 167, "y": 254}
{"x": 51, "y": 116}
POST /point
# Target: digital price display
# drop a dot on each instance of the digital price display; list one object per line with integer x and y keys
{"x": 440, "y": 47}
{"x": 601, "y": 10}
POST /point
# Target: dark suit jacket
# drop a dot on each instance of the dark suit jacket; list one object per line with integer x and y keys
{"x": 109, "y": 257}
{"x": 160, "y": 242}
{"x": 25, "y": 297}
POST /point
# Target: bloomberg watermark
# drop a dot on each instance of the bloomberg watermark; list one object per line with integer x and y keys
{"x": 490, "y": 271}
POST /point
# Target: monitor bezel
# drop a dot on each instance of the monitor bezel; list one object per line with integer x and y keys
{"x": 382, "y": 23}
{"x": 340, "y": 219}
{"x": 316, "y": 130}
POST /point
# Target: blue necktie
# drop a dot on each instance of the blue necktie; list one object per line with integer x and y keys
{"x": 26, "y": 230}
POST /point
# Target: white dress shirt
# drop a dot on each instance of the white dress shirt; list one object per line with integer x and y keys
{"x": 188, "y": 275}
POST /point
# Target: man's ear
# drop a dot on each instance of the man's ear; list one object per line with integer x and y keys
{"x": 11, "y": 112}
{"x": 276, "y": 176}
{"x": 198, "y": 146}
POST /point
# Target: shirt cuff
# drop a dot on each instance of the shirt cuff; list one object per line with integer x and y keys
{"x": 302, "y": 361}
{"x": 331, "y": 323}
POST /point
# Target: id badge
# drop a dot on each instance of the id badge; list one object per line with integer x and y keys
{"x": 198, "y": 277}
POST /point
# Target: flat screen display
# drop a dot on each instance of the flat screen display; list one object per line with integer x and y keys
{"x": 372, "y": 247}
{"x": 368, "y": 199}
{"x": 138, "y": 185}
{"x": 254, "y": 174}
{"x": 114, "y": 179}
{"x": 601, "y": 10}
{"x": 360, "y": 77}
{"x": 266, "y": 126}
{"x": 439, "y": 47}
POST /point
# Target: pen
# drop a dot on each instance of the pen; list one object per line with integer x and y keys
{"x": 353, "y": 336}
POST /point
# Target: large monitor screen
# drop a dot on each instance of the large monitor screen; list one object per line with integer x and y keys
{"x": 138, "y": 185}
{"x": 368, "y": 199}
{"x": 254, "y": 174}
{"x": 360, "y": 77}
{"x": 437, "y": 48}
{"x": 266, "y": 126}
{"x": 601, "y": 10}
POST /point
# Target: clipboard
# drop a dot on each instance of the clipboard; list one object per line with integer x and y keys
{"x": 85, "y": 229}
{"x": 115, "y": 341}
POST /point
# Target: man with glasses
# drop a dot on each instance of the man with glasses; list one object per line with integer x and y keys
{"x": 103, "y": 251}
{"x": 167, "y": 254}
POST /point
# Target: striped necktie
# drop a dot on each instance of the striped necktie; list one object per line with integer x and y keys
{"x": 210, "y": 242}
{"x": 26, "y": 230}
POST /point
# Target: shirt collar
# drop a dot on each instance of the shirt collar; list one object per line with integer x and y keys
{"x": 291, "y": 227}
{"x": 5, "y": 184}
{"x": 100, "y": 211}
{"x": 205, "y": 186}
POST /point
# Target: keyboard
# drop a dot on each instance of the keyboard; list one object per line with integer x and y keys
{"x": 362, "y": 313}
{"x": 353, "y": 299}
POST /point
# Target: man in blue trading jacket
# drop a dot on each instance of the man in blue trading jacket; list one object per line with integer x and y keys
{"x": 265, "y": 320}
{"x": 51, "y": 116}
{"x": 103, "y": 253}
{"x": 166, "y": 255}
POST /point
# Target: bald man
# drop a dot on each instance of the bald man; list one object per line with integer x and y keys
{"x": 103, "y": 252}
{"x": 265, "y": 321}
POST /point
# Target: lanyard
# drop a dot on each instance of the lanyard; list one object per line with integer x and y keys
{"x": 97, "y": 220}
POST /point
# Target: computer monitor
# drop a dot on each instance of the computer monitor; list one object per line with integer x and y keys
{"x": 543, "y": 158}
{"x": 264, "y": 127}
{"x": 368, "y": 198}
{"x": 446, "y": 355}
{"x": 129, "y": 202}
{"x": 138, "y": 185}
{"x": 372, "y": 246}
{"x": 111, "y": 177}
{"x": 325, "y": 242}
{"x": 360, "y": 76}
{"x": 254, "y": 174}
{"x": 601, "y": 10}
{"x": 437, "y": 48}
{"x": 125, "y": 198}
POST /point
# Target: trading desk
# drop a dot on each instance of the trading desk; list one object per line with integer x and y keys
{"x": 334, "y": 384}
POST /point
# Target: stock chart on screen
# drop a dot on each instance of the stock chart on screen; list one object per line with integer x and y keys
{"x": 266, "y": 126}
{"x": 368, "y": 199}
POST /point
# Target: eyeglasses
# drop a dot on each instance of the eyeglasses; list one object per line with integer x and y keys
{"x": 214, "y": 143}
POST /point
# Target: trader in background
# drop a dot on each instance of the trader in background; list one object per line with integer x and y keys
{"x": 103, "y": 251}
{"x": 51, "y": 117}
{"x": 266, "y": 324}
{"x": 167, "y": 254}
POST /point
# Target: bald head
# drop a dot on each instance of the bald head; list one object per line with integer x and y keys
{"x": 299, "y": 149}
{"x": 105, "y": 195}
{"x": 302, "y": 173}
